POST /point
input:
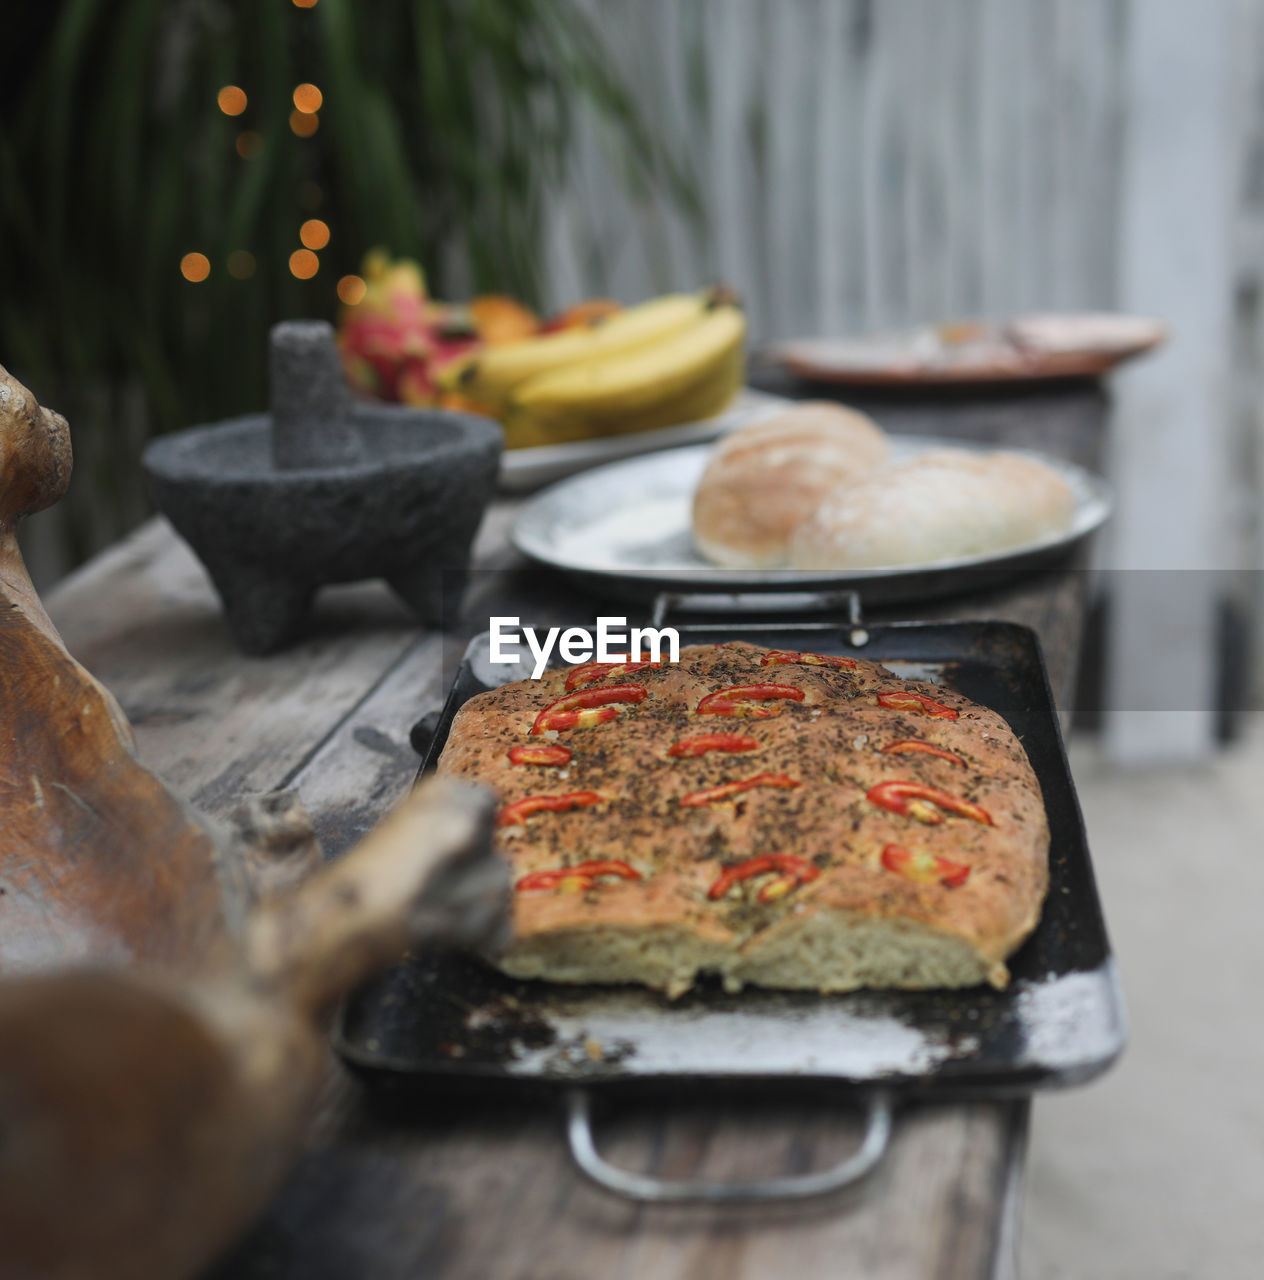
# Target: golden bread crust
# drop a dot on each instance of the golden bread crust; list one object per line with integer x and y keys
{"x": 763, "y": 481}
{"x": 942, "y": 505}
{"x": 855, "y": 918}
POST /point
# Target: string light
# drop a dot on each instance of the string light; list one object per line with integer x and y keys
{"x": 314, "y": 234}
{"x": 304, "y": 123}
{"x": 241, "y": 264}
{"x": 351, "y": 289}
{"x": 249, "y": 144}
{"x": 195, "y": 267}
{"x": 231, "y": 100}
{"x": 308, "y": 98}
{"x": 304, "y": 264}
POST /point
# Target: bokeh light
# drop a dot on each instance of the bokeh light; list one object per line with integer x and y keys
{"x": 232, "y": 100}
{"x": 304, "y": 264}
{"x": 195, "y": 267}
{"x": 241, "y": 264}
{"x": 310, "y": 196}
{"x": 314, "y": 234}
{"x": 304, "y": 4}
{"x": 308, "y": 98}
{"x": 351, "y": 289}
{"x": 304, "y": 123}
{"x": 249, "y": 144}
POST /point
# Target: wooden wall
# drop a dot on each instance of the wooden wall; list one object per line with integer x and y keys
{"x": 870, "y": 163}
{"x": 864, "y": 162}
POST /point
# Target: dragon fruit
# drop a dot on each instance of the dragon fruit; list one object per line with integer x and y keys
{"x": 383, "y": 336}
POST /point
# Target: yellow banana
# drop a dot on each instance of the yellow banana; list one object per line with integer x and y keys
{"x": 522, "y": 431}
{"x": 491, "y": 375}
{"x": 687, "y": 376}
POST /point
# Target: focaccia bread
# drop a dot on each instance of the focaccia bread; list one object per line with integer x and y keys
{"x": 781, "y": 819}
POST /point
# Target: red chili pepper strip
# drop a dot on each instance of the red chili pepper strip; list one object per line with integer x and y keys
{"x": 701, "y": 743}
{"x": 776, "y": 656}
{"x": 540, "y": 755}
{"x": 584, "y": 874}
{"x": 591, "y": 672}
{"x": 926, "y": 868}
{"x": 915, "y": 800}
{"x": 745, "y": 700}
{"x": 914, "y": 746}
{"x": 709, "y": 795}
{"x": 800, "y": 870}
{"x": 516, "y": 814}
{"x": 918, "y": 702}
{"x": 586, "y": 674}
{"x": 566, "y": 712}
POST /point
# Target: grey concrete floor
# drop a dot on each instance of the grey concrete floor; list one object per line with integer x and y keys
{"x": 1156, "y": 1172}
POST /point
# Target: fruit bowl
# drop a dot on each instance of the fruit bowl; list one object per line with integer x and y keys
{"x": 597, "y": 370}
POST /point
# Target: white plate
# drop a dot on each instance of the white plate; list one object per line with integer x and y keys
{"x": 524, "y": 469}
{"x": 630, "y": 523}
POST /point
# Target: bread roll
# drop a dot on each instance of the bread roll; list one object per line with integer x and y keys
{"x": 764, "y": 480}
{"x": 939, "y": 506}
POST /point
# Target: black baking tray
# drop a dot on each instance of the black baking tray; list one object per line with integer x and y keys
{"x": 1061, "y": 1021}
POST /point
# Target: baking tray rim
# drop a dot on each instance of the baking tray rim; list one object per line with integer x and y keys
{"x": 1018, "y": 1080}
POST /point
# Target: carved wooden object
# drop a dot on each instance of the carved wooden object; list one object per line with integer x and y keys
{"x": 160, "y": 1042}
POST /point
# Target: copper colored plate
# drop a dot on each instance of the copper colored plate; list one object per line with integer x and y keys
{"x": 1026, "y": 348}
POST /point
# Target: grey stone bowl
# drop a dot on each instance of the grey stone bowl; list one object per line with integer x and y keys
{"x": 403, "y": 505}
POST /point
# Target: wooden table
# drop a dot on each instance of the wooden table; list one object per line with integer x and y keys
{"x": 436, "y": 1186}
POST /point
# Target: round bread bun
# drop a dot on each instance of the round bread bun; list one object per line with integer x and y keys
{"x": 764, "y": 480}
{"x": 942, "y": 505}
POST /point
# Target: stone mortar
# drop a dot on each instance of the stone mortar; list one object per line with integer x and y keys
{"x": 275, "y": 511}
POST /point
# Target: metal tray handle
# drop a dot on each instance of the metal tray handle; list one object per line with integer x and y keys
{"x": 743, "y": 604}
{"x": 650, "y": 1190}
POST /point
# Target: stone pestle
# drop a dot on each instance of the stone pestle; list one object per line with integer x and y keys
{"x": 312, "y": 419}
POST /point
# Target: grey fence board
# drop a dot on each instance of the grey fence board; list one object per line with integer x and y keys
{"x": 862, "y": 164}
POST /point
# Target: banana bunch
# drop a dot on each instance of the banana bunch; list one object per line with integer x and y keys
{"x": 672, "y": 359}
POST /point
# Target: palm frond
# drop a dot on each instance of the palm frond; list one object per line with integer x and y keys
{"x": 445, "y": 127}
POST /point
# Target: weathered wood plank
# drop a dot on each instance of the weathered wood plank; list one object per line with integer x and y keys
{"x": 464, "y": 1190}
{"x": 366, "y": 764}
{"x": 219, "y": 725}
{"x": 456, "y": 1189}
{"x": 1175, "y": 261}
{"x": 406, "y": 1188}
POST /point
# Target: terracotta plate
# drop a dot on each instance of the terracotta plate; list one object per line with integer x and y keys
{"x": 1025, "y": 348}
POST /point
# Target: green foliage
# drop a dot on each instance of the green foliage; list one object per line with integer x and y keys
{"x": 445, "y": 126}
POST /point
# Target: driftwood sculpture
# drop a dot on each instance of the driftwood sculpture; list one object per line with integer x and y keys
{"x": 160, "y": 1043}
